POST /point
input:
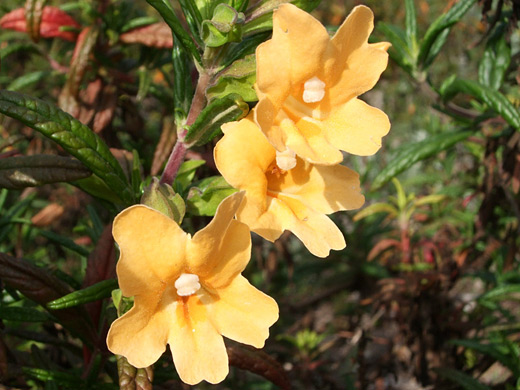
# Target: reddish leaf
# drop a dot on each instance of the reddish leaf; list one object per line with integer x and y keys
{"x": 154, "y": 35}
{"x": 38, "y": 285}
{"x": 382, "y": 246}
{"x": 259, "y": 362}
{"x": 48, "y": 215}
{"x": 52, "y": 20}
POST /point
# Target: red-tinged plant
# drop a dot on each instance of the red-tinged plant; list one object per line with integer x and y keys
{"x": 154, "y": 35}
{"x": 53, "y": 20}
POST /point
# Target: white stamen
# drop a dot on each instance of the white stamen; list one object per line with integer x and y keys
{"x": 286, "y": 160}
{"x": 187, "y": 284}
{"x": 313, "y": 90}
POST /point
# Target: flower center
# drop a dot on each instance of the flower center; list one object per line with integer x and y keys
{"x": 187, "y": 284}
{"x": 286, "y": 160}
{"x": 313, "y": 90}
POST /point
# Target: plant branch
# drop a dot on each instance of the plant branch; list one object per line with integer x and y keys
{"x": 179, "y": 150}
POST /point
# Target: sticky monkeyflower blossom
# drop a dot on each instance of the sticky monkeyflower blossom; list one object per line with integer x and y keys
{"x": 281, "y": 196}
{"x": 308, "y": 86}
{"x": 188, "y": 292}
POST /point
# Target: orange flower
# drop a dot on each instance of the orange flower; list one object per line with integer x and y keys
{"x": 308, "y": 83}
{"x": 281, "y": 195}
{"x": 188, "y": 292}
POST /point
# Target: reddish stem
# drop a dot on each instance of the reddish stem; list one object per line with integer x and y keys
{"x": 179, "y": 150}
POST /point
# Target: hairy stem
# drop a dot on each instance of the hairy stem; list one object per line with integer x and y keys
{"x": 179, "y": 150}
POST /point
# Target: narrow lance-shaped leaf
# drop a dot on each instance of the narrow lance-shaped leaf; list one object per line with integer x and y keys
{"x": 33, "y": 17}
{"x": 41, "y": 287}
{"x": 89, "y": 294}
{"x": 193, "y": 18}
{"x": 76, "y": 138}
{"x": 36, "y": 170}
{"x": 439, "y": 25}
{"x": 219, "y": 111}
{"x": 23, "y": 314}
{"x": 182, "y": 84}
{"x": 494, "y": 99}
{"x": 411, "y": 24}
{"x": 417, "y": 152}
{"x": 165, "y": 9}
{"x": 467, "y": 382}
{"x": 494, "y": 63}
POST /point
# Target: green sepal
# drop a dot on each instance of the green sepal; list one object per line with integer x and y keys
{"x": 30, "y": 171}
{"x": 238, "y": 78}
{"x": 205, "y": 196}
{"x": 225, "y": 26}
{"x": 219, "y": 111}
{"x": 92, "y": 293}
{"x": 163, "y": 198}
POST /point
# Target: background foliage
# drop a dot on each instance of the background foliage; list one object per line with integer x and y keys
{"x": 425, "y": 296}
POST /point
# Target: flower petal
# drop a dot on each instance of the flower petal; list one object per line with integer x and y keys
{"x": 243, "y": 313}
{"x": 306, "y": 139}
{"x": 316, "y": 231}
{"x": 222, "y": 249}
{"x": 357, "y": 128}
{"x": 325, "y": 189}
{"x": 197, "y": 348}
{"x": 141, "y": 334}
{"x": 152, "y": 249}
{"x": 355, "y": 65}
{"x": 249, "y": 174}
{"x": 293, "y": 55}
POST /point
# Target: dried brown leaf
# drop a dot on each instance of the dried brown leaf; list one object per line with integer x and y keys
{"x": 68, "y": 99}
{"x": 48, "y": 215}
{"x": 165, "y": 145}
{"x": 106, "y": 108}
{"x": 154, "y": 35}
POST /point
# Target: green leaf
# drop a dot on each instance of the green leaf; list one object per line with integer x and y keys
{"x": 193, "y": 18}
{"x": 408, "y": 156}
{"x": 67, "y": 380}
{"x": 30, "y": 171}
{"x": 225, "y": 26}
{"x": 374, "y": 209}
{"x": 501, "y": 292}
{"x": 96, "y": 187}
{"x": 411, "y": 24}
{"x": 204, "y": 198}
{"x": 186, "y": 174}
{"x": 166, "y": 11}
{"x": 467, "y": 382}
{"x": 443, "y": 22}
{"x": 65, "y": 242}
{"x": 401, "y": 196}
{"x": 92, "y": 293}
{"x": 23, "y": 314}
{"x": 28, "y": 79}
{"x": 182, "y": 85}
{"x": 494, "y": 99}
{"x": 215, "y": 114}
{"x": 238, "y": 78}
{"x": 429, "y": 199}
{"x": 76, "y": 138}
{"x": 400, "y": 51}
{"x": 138, "y": 22}
{"x": 494, "y": 63}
